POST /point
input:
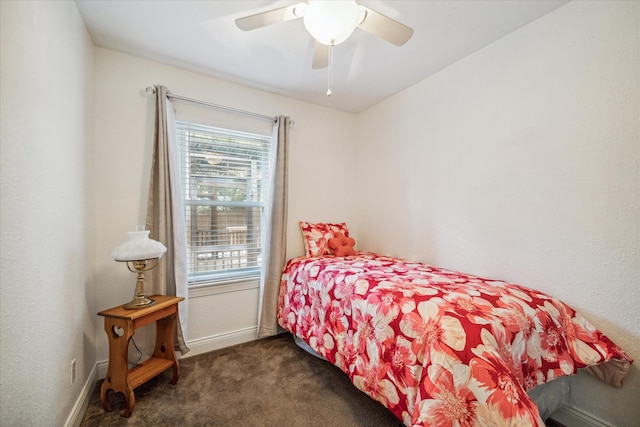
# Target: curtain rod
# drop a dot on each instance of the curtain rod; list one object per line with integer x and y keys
{"x": 151, "y": 90}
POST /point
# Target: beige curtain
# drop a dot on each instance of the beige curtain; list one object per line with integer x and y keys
{"x": 275, "y": 238}
{"x": 165, "y": 214}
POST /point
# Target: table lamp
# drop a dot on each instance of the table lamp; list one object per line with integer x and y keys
{"x": 136, "y": 252}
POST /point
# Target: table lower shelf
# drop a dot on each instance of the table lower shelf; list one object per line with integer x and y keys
{"x": 148, "y": 369}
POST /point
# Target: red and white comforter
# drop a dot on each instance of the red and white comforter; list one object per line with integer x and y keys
{"x": 437, "y": 347}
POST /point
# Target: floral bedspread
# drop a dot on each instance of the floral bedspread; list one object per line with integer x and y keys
{"x": 437, "y": 347}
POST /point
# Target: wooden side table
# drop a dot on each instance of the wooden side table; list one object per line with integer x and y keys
{"x": 120, "y": 325}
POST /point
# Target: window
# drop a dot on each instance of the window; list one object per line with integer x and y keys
{"x": 222, "y": 175}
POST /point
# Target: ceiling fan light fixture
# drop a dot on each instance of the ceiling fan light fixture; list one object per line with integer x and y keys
{"x": 331, "y": 22}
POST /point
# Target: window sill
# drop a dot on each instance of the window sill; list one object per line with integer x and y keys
{"x": 215, "y": 288}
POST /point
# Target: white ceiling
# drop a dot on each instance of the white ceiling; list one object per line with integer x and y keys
{"x": 201, "y": 36}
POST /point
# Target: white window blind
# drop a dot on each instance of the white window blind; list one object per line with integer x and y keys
{"x": 222, "y": 175}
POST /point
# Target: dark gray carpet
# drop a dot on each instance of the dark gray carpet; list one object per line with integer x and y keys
{"x": 268, "y": 382}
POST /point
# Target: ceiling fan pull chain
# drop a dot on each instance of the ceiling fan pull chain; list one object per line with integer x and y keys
{"x": 329, "y": 92}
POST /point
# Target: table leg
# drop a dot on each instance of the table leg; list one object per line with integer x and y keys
{"x": 119, "y": 332}
{"x": 164, "y": 343}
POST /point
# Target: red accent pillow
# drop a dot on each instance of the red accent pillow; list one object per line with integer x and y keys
{"x": 341, "y": 245}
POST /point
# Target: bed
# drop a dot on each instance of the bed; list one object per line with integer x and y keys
{"x": 439, "y": 347}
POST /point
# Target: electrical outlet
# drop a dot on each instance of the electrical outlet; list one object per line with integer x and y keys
{"x": 73, "y": 371}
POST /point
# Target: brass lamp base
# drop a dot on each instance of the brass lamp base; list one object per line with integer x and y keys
{"x": 140, "y": 301}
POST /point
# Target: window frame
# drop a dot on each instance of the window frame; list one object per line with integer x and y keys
{"x": 256, "y": 187}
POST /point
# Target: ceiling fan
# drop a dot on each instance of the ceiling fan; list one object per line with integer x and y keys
{"x": 330, "y": 22}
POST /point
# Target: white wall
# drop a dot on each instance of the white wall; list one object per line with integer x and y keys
{"x": 522, "y": 162}
{"x": 47, "y": 307}
{"x": 321, "y": 156}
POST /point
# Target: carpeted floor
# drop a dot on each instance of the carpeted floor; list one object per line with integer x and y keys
{"x": 269, "y": 382}
{"x": 264, "y": 383}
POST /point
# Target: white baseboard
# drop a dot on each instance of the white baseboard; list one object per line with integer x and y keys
{"x": 214, "y": 342}
{"x": 202, "y": 345}
{"x": 78, "y": 410}
{"x": 574, "y": 417}
{"x": 102, "y": 368}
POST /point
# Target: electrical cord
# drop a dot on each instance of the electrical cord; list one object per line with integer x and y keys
{"x": 139, "y": 353}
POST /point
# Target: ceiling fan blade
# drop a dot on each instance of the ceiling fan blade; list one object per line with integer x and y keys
{"x": 269, "y": 17}
{"x": 384, "y": 27}
{"x": 320, "y": 56}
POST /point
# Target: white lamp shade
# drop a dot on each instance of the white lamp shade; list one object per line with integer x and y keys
{"x": 331, "y": 22}
{"x": 139, "y": 247}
